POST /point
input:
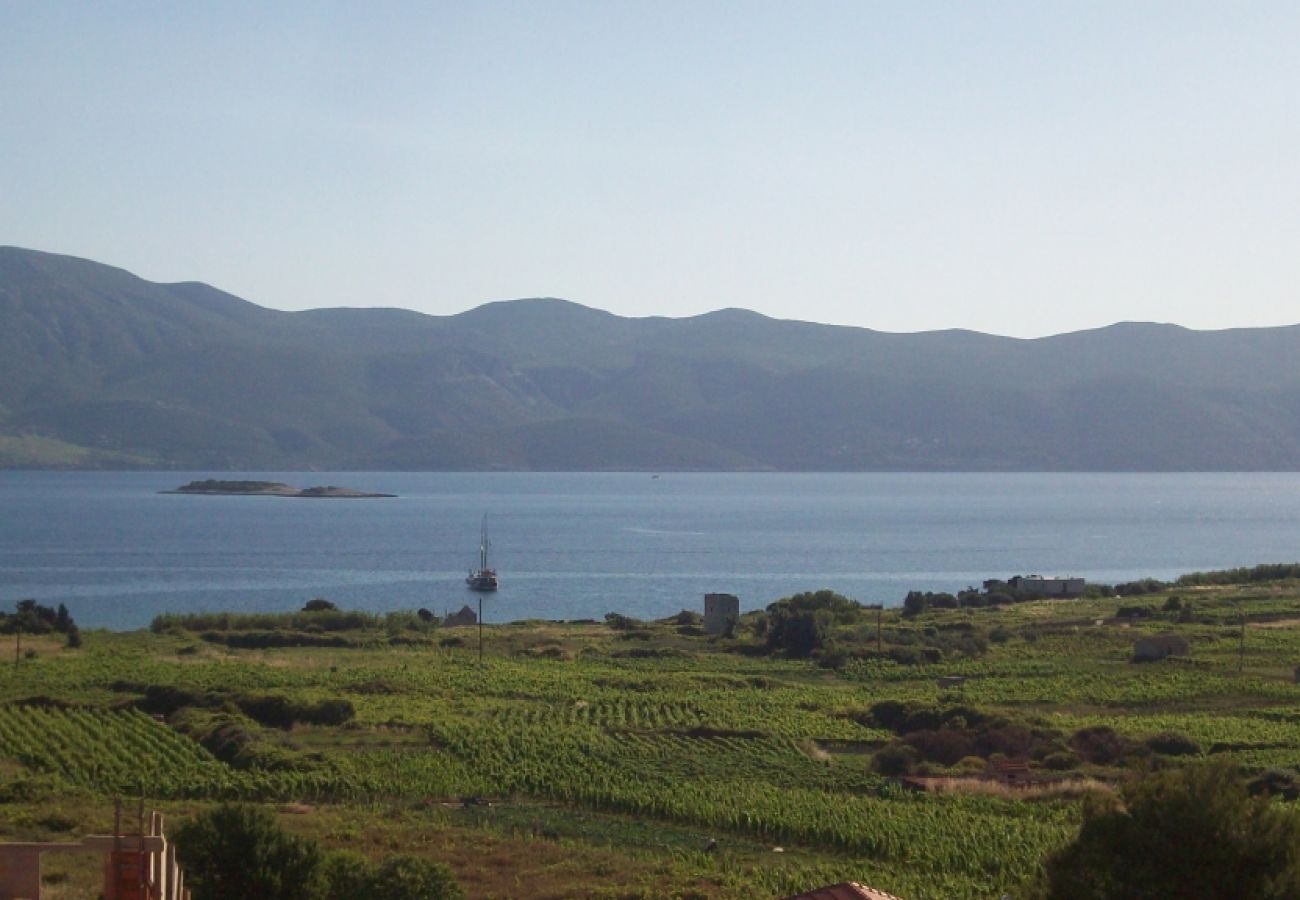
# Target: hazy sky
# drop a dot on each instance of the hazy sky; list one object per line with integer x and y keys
{"x": 1017, "y": 168}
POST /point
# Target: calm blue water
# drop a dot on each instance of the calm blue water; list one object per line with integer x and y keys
{"x": 572, "y": 546}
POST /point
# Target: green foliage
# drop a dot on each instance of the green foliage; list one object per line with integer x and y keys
{"x": 413, "y": 878}
{"x": 1190, "y": 833}
{"x": 1265, "y": 572}
{"x": 893, "y": 760}
{"x": 800, "y": 624}
{"x": 347, "y": 875}
{"x": 620, "y": 622}
{"x": 797, "y": 631}
{"x": 1169, "y": 743}
{"x": 320, "y": 619}
{"x": 237, "y": 850}
{"x": 31, "y": 617}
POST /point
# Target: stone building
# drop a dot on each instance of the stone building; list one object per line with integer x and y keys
{"x": 1054, "y": 586}
{"x": 1160, "y": 646}
{"x": 720, "y": 612}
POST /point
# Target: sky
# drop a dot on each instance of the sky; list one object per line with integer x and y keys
{"x": 1014, "y": 168}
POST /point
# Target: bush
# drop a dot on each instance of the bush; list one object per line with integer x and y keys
{"x": 1099, "y": 744}
{"x": 319, "y": 604}
{"x": 1192, "y": 833}
{"x": 801, "y": 624}
{"x": 946, "y": 746}
{"x": 893, "y": 760}
{"x": 1274, "y": 783}
{"x": 31, "y": 617}
{"x": 413, "y": 878}
{"x": 620, "y": 622}
{"x": 1061, "y": 761}
{"x": 279, "y": 711}
{"x": 1172, "y": 744}
{"x": 347, "y": 875}
{"x": 241, "y": 851}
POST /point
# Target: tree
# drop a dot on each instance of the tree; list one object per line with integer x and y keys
{"x": 800, "y": 624}
{"x": 914, "y": 604}
{"x": 1193, "y": 833}
{"x": 413, "y": 878}
{"x": 797, "y": 631}
{"x": 237, "y": 850}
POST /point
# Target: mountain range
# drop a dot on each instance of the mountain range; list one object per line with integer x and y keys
{"x": 101, "y": 369}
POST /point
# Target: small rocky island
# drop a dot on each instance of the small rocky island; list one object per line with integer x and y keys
{"x": 269, "y": 489}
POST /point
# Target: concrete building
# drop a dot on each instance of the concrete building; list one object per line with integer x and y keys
{"x": 1160, "y": 646}
{"x": 1055, "y": 586}
{"x": 721, "y": 611}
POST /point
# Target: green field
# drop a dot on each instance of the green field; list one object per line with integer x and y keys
{"x": 590, "y": 760}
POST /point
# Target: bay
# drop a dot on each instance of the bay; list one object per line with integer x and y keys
{"x": 580, "y": 545}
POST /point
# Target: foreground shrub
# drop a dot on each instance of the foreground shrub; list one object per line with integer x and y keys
{"x": 238, "y": 851}
{"x": 1192, "y": 833}
{"x": 241, "y": 851}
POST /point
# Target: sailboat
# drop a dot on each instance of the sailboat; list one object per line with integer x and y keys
{"x": 485, "y": 578}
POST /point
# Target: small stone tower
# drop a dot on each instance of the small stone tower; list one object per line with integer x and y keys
{"x": 720, "y": 612}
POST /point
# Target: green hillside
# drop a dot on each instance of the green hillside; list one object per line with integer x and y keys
{"x": 99, "y": 368}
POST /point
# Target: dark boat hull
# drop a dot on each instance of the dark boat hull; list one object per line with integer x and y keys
{"x": 482, "y": 581}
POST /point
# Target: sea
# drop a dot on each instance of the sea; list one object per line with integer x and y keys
{"x": 571, "y": 546}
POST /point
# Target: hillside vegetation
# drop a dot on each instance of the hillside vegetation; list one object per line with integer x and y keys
{"x": 819, "y": 742}
{"x": 99, "y": 368}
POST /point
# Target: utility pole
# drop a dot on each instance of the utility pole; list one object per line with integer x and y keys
{"x": 1241, "y": 644}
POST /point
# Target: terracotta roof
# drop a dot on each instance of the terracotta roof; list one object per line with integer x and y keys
{"x": 847, "y": 890}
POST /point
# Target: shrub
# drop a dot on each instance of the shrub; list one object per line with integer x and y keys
{"x": 319, "y": 604}
{"x": 1061, "y": 761}
{"x": 945, "y": 746}
{"x": 1099, "y": 744}
{"x": 620, "y": 622}
{"x": 1192, "y": 833}
{"x": 413, "y": 878}
{"x": 1274, "y": 783}
{"x": 279, "y": 711}
{"x": 1170, "y": 743}
{"x": 347, "y": 875}
{"x": 797, "y": 632}
{"x": 893, "y": 760}
{"x": 241, "y": 851}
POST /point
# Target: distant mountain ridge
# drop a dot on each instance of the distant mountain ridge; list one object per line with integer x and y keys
{"x": 101, "y": 369}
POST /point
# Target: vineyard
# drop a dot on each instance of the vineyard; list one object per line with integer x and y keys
{"x": 772, "y": 758}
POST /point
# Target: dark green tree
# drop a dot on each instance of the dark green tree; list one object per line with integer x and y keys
{"x": 1193, "y": 833}
{"x": 237, "y": 850}
{"x": 801, "y": 623}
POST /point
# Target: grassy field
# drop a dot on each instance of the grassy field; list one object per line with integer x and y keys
{"x": 589, "y": 760}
